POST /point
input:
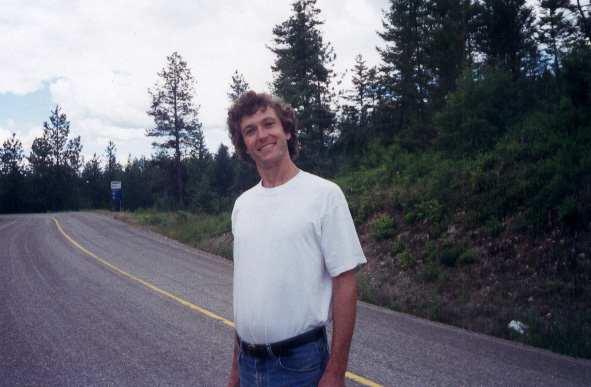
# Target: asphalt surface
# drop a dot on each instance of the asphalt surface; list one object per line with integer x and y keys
{"x": 67, "y": 319}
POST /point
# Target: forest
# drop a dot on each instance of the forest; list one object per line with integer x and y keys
{"x": 464, "y": 154}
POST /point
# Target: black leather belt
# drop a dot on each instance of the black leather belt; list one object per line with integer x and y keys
{"x": 281, "y": 348}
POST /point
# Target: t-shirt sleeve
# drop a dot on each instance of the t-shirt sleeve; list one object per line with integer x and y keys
{"x": 340, "y": 244}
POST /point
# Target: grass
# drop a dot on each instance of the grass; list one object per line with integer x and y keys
{"x": 211, "y": 233}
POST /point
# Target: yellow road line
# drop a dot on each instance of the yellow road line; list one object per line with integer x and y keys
{"x": 356, "y": 378}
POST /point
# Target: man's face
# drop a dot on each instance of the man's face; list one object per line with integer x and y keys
{"x": 264, "y": 138}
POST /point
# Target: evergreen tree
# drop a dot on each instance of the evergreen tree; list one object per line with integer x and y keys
{"x": 11, "y": 175}
{"x": 198, "y": 148}
{"x": 139, "y": 184}
{"x": 11, "y": 156}
{"x": 555, "y": 32}
{"x": 238, "y": 86}
{"x": 55, "y": 162}
{"x": 584, "y": 18}
{"x": 56, "y": 134}
{"x": 175, "y": 114}
{"x": 95, "y": 194}
{"x": 354, "y": 120}
{"x": 363, "y": 96}
{"x": 449, "y": 51}
{"x": 302, "y": 77}
{"x": 506, "y": 35}
{"x": 223, "y": 173}
{"x": 112, "y": 168}
{"x": 407, "y": 75}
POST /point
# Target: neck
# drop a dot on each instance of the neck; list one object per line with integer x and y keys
{"x": 276, "y": 175}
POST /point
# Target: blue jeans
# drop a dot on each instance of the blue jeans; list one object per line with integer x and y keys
{"x": 302, "y": 366}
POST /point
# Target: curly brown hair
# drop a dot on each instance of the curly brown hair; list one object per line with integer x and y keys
{"x": 250, "y": 103}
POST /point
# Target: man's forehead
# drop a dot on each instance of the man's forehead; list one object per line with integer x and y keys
{"x": 262, "y": 113}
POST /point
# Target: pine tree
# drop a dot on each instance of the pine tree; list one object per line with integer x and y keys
{"x": 56, "y": 133}
{"x": 11, "y": 156}
{"x": 406, "y": 70}
{"x": 238, "y": 86}
{"x": 555, "y": 32}
{"x": 175, "y": 114}
{"x": 55, "y": 161}
{"x": 354, "y": 119}
{"x": 302, "y": 77}
{"x": 449, "y": 49}
{"x": 11, "y": 175}
{"x": 112, "y": 168}
{"x": 505, "y": 35}
{"x": 94, "y": 190}
{"x": 363, "y": 96}
{"x": 584, "y": 18}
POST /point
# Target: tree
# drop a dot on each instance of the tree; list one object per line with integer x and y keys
{"x": 55, "y": 161}
{"x": 11, "y": 175}
{"x": 505, "y": 35}
{"x": 238, "y": 86}
{"x": 302, "y": 77}
{"x": 11, "y": 156}
{"x": 94, "y": 190}
{"x": 174, "y": 113}
{"x": 407, "y": 75}
{"x": 112, "y": 168}
{"x": 555, "y": 32}
{"x": 449, "y": 50}
{"x": 56, "y": 134}
{"x": 223, "y": 173}
{"x": 354, "y": 118}
{"x": 584, "y": 18}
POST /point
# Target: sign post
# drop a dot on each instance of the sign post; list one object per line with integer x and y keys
{"x": 116, "y": 195}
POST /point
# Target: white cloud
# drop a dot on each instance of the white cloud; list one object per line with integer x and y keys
{"x": 100, "y": 58}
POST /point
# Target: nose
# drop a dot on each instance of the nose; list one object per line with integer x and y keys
{"x": 261, "y": 133}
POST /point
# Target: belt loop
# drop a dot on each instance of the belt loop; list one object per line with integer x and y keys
{"x": 269, "y": 350}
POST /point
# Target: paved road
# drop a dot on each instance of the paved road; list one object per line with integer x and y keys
{"x": 66, "y": 318}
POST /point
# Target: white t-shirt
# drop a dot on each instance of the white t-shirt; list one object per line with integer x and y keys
{"x": 289, "y": 241}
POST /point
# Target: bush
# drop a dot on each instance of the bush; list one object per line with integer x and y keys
{"x": 468, "y": 257}
{"x": 494, "y": 227}
{"x": 430, "y": 272}
{"x": 383, "y": 227}
{"x": 449, "y": 255}
{"x": 407, "y": 260}
{"x": 397, "y": 247}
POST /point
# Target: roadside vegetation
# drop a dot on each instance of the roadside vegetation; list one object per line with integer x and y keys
{"x": 464, "y": 155}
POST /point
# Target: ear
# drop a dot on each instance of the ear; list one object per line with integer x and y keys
{"x": 288, "y": 135}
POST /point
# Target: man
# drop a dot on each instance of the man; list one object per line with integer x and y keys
{"x": 295, "y": 255}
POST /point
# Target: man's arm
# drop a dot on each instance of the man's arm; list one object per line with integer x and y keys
{"x": 344, "y": 309}
{"x": 234, "y": 375}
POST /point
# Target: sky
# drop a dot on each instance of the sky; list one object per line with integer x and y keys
{"x": 97, "y": 59}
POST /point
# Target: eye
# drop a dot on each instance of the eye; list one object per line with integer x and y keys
{"x": 248, "y": 131}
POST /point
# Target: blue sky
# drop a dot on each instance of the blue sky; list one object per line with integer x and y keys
{"x": 97, "y": 60}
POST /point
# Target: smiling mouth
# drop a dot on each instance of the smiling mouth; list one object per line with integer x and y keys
{"x": 266, "y": 146}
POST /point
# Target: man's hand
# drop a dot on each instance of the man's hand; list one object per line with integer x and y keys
{"x": 330, "y": 379}
{"x": 344, "y": 308}
{"x": 234, "y": 380}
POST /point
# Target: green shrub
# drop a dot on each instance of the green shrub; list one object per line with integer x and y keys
{"x": 468, "y": 257}
{"x": 410, "y": 217}
{"x": 494, "y": 227}
{"x": 567, "y": 211}
{"x": 397, "y": 247}
{"x": 430, "y": 210}
{"x": 449, "y": 255}
{"x": 383, "y": 227}
{"x": 431, "y": 272}
{"x": 407, "y": 260}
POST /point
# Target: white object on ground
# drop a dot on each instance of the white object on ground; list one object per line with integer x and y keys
{"x": 518, "y": 326}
